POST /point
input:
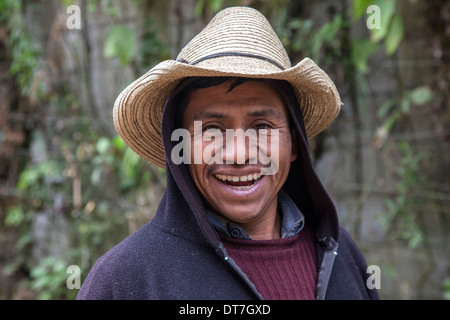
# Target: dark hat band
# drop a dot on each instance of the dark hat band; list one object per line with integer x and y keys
{"x": 238, "y": 54}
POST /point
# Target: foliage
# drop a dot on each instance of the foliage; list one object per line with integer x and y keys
{"x": 401, "y": 216}
{"x": 152, "y": 49}
{"x": 391, "y": 27}
{"x": 214, "y": 5}
{"x": 100, "y": 180}
{"x": 362, "y": 49}
{"x": 49, "y": 279}
{"x": 131, "y": 47}
{"x": 95, "y": 162}
{"x": 394, "y": 108}
{"x": 22, "y": 48}
{"x": 446, "y": 287}
{"x": 120, "y": 42}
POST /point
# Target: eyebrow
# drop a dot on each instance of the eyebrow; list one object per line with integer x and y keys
{"x": 265, "y": 112}
{"x": 209, "y": 115}
{"x": 257, "y": 113}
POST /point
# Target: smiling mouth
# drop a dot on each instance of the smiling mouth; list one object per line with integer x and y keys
{"x": 243, "y": 182}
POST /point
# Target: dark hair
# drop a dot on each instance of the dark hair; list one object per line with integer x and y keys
{"x": 195, "y": 83}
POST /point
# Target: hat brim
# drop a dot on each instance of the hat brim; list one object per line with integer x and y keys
{"x": 138, "y": 109}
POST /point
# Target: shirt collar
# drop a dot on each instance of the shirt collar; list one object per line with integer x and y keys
{"x": 292, "y": 220}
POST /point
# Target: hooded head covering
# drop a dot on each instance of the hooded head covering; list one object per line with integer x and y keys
{"x": 238, "y": 42}
{"x": 302, "y": 184}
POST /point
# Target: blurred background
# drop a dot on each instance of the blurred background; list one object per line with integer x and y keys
{"x": 70, "y": 189}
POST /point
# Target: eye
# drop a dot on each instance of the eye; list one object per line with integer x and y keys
{"x": 211, "y": 127}
{"x": 261, "y": 126}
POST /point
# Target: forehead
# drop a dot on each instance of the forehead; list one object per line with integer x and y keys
{"x": 249, "y": 98}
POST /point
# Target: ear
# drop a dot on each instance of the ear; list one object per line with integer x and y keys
{"x": 294, "y": 145}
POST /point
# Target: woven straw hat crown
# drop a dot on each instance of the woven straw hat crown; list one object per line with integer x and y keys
{"x": 238, "y": 32}
{"x": 238, "y": 42}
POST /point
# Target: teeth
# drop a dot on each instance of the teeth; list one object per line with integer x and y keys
{"x": 250, "y": 177}
{"x": 242, "y": 187}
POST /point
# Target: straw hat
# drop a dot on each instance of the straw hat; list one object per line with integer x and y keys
{"x": 239, "y": 41}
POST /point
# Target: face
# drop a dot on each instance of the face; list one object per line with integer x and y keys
{"x": 235, "y": 187}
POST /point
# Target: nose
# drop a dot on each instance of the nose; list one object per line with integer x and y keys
{"x": 239, "y": 146}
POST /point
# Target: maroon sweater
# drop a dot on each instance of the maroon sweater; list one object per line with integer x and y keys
{"x": 281, "y": 269}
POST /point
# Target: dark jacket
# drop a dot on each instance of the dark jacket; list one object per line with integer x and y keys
{"x": 179, "y": 255}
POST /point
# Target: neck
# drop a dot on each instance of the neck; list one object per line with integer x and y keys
{"x": 266, "y": 229}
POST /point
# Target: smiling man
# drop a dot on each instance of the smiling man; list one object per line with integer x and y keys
{"x": 237, "y": 190}
{"x": 244, "y": 215}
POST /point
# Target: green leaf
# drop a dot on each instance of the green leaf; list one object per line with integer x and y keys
{"x": 118, "y": 143}
{"x": 103, "y": 145}
{"x": 415, "y": 239}
{"x": 14, "y": 217}
{"x": 405, "y": 105}
{"x": 361, "y": 51}
{"x": 360, "y": 7}
{"x": 119, "y": 43}
{"x": 384, "y": 109}
{"x": 96, "y": 176}
{"x": 27, "y": 178}
{"x": 216, "y": 5}
{"x": 421, "y": 95}
{"x": 67, "y": 3}
{"x": 129, "y": 163}
{"x": 199, "y": 7}
{"x": 326, "y": 33}
{"x": 395, "y": 35}
{"x": 446, "y": 286}
{"x": 391, "y": 120}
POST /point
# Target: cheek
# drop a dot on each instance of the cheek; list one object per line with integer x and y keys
{"x": 276, "y": 151}
{"x": 196, "y": 169}
{"x": 198, "y": 175}
{"x": 195, "y": 175}
{"x": 285, "y": 147}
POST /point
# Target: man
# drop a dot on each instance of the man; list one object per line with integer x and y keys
{"x": 244, "y": 215}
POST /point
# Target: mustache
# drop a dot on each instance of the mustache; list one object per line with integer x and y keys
{"x": 215, "y": 166}
{"x": 265, "y": 169}
{"x": 257, "y": 158}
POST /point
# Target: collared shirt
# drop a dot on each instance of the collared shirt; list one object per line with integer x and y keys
{"x": 292, "y": 220}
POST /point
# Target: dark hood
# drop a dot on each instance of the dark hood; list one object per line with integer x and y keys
{"x": 182, "y": 207}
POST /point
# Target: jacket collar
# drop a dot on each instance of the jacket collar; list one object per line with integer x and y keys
{"x": 292, "y": 220}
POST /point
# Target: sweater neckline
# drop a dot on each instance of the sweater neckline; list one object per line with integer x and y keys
{"x": 272, "y": 244}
